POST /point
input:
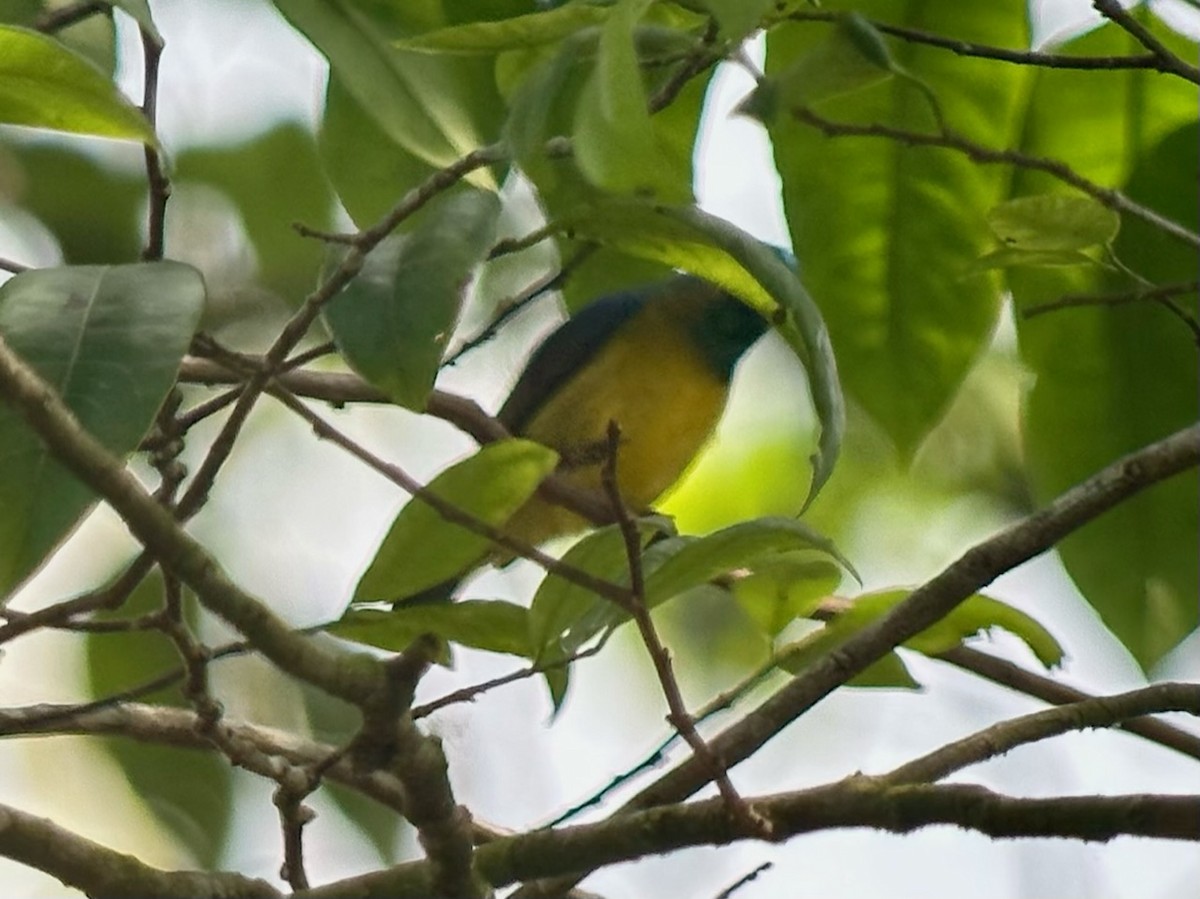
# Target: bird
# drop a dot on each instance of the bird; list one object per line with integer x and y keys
{"x": 657, "y": 361}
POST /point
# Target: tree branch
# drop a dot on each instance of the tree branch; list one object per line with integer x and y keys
{"x": 350, "y": 676}
{"x": 858, "y": 801}
{"x": 1147, "y": 61}
{"x": 1096, "y": 712}
{"x": 99, "y": 871}
{"x": 933, "y": 600}
{"x": 1114, "y": 12}
{"x": 1109, "y": 197}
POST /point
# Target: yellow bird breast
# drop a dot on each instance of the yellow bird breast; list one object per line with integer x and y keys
{"x": 661, "y": 393}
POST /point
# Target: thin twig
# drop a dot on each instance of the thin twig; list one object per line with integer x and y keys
{"x": 746, "y": 878}
{"x": 1096, "y": 712}
{"x": 471, "y": 693}
{"x": 1162, "y": 293}
{"x": 1148, "y": 61}
{"x": 297, "y": 326}
{"x": 679, "y": 717}
{"x": 1114, "y": 12}
{"x": 1021, "y": 680}
{"x": 1112, "y": 199}
{"x": 156, "y": 178}
{"x": 452, "y": 513}
{"x": 9, "y": 265}
{"x": 507, "y": 309}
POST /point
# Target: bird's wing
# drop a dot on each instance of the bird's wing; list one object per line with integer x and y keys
{"x": 566, "y": 351}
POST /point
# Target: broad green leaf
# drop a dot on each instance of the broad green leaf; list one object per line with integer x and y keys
{"x": 565, "y": 616}
{"x": 977, "y": 614}
{"x": 45, "y": 85}
{"x": 886, "y": 672}
{"x": 778, "y": 592}
{"x": 1053, "y": 223}
{"x": 737, "y": 18}
{"x": 884, "y": 232}
{"x": 392, "y": 322}
{"x": 616, "y": 143}
{"x": 109, "y": 340}
{"x": 490, "y": 625}
{"x": 544, "y": 106}
{"x": 520, "y": 32}
{"x": 835, "y": 65}
{"x": 422, "y": 549}
{"x": 196, "y": 809}
{"x": 436, "y": 108}
{"x": 1128, "y": 378}
{"x": 93, "y": 211}
{"x": 93, "y": 37}
{"x": 247, "y": 173}
{"x": 686, "y": 238}
{"x": 369, "y": 172}
{"x": 1110, "y": 380}
{"x": 741, "y": 545}
{"x": 1013, "y": 258}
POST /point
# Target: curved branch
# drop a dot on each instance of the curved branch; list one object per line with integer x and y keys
{"x": 1114, "y": 12}
{"x": 1099, "y": 711}
{"x": 858, "y": 801}
{"x": 99, "y": 871}
{"x": 1106, "y": 196}
{"x": 350, "y": 676}
{"x": 932, "y": 601}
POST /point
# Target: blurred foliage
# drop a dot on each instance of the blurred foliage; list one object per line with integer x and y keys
{"x": 908, "y": 253}
{"x": 196, "y": 808}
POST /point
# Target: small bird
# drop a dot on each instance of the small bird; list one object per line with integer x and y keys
{"x": 657, "y": 361}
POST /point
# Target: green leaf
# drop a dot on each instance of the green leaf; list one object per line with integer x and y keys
{"x": 269, "y": 205}
{"x": 1014, "y": 258}
{"x": 884, "y": 673}
{"x": 686, "y": 238}
{"x": 93, "y": 37}
{"x": 778, "y": 592}
{"x": 196, "y": 809}
{"x": 520, "y": 32}
{"x": 1110, "y": 380}
{"x": 616, "y": 143}
{"x": 422, "y": 549}
{"x": 737, "y": 18}
{"x": 977, "y": 614}
{"x": 44, "y": 85}
{"x": 741, "y": 545}
{"x": 368, "y": 170}
{"x": 831, "y": 67}
{"x": 489, "y": 625}
{"x": 1053, "y": 223}
{"x": 883, "y": 230}
{"x": 93, "y": 211}
{"x": 1128, "y": 379}
{"x": 109, "y": 340}
{"x": 565, "y": 616}
{"x": 391, "y": 323}
{"x": 436, "y": 108}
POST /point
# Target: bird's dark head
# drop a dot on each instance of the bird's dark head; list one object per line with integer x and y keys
{"x": 721, "y": 325}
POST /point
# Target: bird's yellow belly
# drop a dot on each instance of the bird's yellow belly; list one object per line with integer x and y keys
{"x": 664, "y": 399}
